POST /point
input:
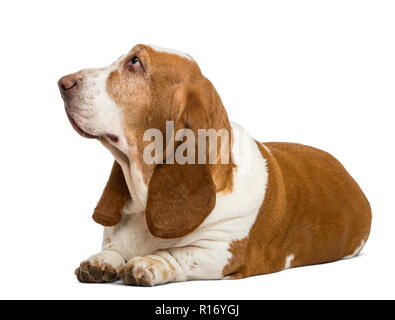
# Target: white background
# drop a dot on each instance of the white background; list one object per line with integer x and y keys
{"x": 316, "y": 72}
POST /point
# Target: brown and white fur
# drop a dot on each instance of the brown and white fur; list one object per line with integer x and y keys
{"x": 285, "y": 205}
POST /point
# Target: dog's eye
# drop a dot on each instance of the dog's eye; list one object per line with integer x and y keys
{"x": 135, "y": 60}
{"x": 135, "y": 63}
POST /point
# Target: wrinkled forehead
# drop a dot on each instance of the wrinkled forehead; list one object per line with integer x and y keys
{"x": 159, "y": 60}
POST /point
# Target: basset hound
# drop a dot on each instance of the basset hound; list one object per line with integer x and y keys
{"x": 277, "y": 206}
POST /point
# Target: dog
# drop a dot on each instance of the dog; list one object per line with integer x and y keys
{"x": 285, "y": 205}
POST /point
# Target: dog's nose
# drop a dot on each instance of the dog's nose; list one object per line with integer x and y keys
{"x": 67, "y": 83}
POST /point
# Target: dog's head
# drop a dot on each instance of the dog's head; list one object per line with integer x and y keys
{"x": 140, "y": 91}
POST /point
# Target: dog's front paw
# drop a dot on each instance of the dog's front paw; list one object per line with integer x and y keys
{"x": 145, "y": 271}
{"x": 101, "y": 267}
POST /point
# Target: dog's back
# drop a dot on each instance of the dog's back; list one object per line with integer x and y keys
{"x": 313, "y": 212}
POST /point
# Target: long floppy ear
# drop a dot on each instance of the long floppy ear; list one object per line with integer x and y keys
{"x": 108, "y": 211}
{"x": 181, "y": 196}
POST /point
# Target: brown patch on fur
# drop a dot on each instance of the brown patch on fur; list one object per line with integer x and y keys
{"x": 312, "y": 208}
{"x": 238, "y": 249}
{"x": 108, "y": 211}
